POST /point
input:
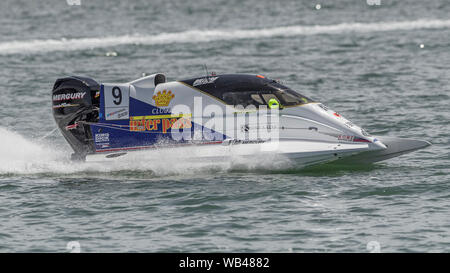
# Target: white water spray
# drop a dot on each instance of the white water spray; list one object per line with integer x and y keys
{"x": 21, "y": 156}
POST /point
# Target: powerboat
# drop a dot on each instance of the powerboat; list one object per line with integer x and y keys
{"x": 211, "y": 117}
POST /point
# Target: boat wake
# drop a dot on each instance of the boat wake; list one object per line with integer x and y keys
{"x": 21, "y": 156}
{"x": 197, "y": 36}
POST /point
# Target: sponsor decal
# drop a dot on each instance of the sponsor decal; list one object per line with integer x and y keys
{"x": 349, "y": 124}
{"x": 323, "y": 107}
{"x": 102, "y": 137}
{"x": 248, "y": 127}
{"x": 73, "y": 126}
{"x": 204, "y": 81}
{"x": 69, "y": 96}
{"x": 62, "y": 105}
{"x": 238, "y": 141}
{"x": 115, "y": 113}
{"x": 161, "y": 123}
{"x": 163, "y": 99}
{"x": 345, "y": 138}
{"x": 358, "y": 139}
{"x": 159, "y": 111}
{"x": 352, "y": 138}
{"x": 119, "y": 113}
{"x": 102, "y": 146}
{"x": 160, "y": 116}
{"x": 364, "y": 133}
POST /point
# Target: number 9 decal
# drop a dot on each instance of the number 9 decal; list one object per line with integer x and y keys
{"x": 117, "y": 94}
{"x": 116, "y": 101}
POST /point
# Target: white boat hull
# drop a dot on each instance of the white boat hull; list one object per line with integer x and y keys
{"x": 395, "y": 147}
{"x": 301, "y": 152}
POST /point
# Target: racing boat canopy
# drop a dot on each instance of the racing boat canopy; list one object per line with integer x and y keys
{"x": 242, "y": 89}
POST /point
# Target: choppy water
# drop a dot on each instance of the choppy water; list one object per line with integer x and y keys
{"x": 364, "y": 61}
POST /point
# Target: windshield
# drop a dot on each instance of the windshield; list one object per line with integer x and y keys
{"x": 286, "y": 97}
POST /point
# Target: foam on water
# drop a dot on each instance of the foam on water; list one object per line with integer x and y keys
{"x": 19, "y": 155}
{"x": 196, "y": 36}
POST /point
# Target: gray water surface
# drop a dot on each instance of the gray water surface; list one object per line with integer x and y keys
{"x": 366, "y": 62}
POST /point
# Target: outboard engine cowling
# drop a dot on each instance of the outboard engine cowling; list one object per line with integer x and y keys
{"x": 75, "y": 104}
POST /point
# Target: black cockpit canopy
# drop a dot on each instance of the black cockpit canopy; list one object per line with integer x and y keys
{"x": 244, "y": 89}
